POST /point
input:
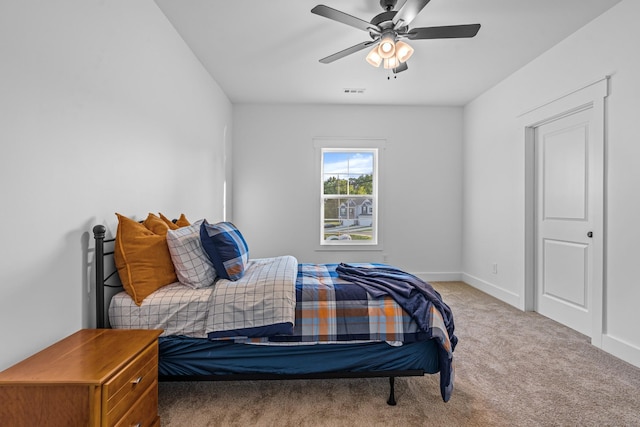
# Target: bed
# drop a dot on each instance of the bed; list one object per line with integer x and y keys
{"x": 278, "y": 319}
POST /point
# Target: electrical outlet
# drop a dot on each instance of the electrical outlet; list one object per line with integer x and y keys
{"x": 495, "y": 268}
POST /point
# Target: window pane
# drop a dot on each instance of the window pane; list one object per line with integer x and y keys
{"x": 348, "y": 219}
{"x": 335, "y": 184}
{"x": 348, "y": 172}
{"x": 361, "y": 184}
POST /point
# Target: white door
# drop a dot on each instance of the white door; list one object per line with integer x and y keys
{"x": 567, "y": 201}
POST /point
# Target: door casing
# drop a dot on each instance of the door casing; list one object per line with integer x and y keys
{"x": 591, "y": 96}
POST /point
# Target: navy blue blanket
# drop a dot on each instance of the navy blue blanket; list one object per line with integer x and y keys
{"x": 420, "y": 300}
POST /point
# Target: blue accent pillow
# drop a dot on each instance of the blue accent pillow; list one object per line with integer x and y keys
{"x": 226, "y": 248}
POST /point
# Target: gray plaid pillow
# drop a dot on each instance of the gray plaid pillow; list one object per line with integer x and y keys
{"x": 193, "y": 267}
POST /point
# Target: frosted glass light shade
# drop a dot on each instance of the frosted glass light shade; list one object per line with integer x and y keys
{"x": 391, "y": 62}
{"x": 374, "y": 57}
{"x": 403, "y": 51}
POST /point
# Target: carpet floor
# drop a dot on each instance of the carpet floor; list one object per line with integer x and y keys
{"x": 513, "y": 368}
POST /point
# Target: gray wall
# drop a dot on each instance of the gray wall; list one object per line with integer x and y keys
{"x": 103, "y": 108}
{"x": 276, "y": 201}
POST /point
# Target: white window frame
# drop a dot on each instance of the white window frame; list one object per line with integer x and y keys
{"x": 351, "y": 145}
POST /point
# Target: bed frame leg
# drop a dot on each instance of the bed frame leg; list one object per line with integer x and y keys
{"x": 392, "y": 394}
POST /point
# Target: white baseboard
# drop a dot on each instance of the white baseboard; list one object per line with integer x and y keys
{"x": 440, "y": 276}
{"x": 620, "y": 349}
{"x": 493, "y": 290}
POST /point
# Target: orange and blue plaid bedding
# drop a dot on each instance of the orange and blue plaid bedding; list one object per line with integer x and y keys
{"x": 332, "y": 310}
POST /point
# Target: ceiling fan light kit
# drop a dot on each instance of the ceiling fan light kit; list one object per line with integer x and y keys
{"x": 387, "y": 28}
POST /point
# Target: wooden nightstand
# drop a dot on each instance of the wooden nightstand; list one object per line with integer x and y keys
{"x": 95, "y": 377}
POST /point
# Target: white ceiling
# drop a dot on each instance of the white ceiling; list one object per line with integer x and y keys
{"x": 267, "y": 51}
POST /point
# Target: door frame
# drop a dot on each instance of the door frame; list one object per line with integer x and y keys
{"x": 591, "y": 96}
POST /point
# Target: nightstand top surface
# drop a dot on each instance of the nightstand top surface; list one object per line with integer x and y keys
{"x": 89, "y": 356}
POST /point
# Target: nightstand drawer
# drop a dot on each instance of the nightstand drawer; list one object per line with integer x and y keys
{"x": 122, "y": 391}
{"x": 143, "y": 414}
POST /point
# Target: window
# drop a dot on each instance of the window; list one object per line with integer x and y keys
{"x": 349, "y": 196}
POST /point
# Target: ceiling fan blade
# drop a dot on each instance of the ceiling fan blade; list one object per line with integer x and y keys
{"x": 348, "y": 51}
{"x": 345, "y": 18}
{"x": 446, "y": 32}
{"x": 408, "y": 12}
{"x": 400, "y": 68}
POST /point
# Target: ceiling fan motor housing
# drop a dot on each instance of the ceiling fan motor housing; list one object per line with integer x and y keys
{"x": 384, "y": 21}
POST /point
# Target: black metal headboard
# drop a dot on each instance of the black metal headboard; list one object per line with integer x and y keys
{"x": 99, "y": 232}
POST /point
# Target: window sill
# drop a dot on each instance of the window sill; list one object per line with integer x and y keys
{"x": 349, "y": 248}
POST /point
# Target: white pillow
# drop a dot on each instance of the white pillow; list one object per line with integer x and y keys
{"x": 193, "y": 267}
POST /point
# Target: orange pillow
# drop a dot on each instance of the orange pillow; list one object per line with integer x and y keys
{"x": 156, "y": 224}
{"x": 181, "y": 222}
{"x": 142, "y": 257}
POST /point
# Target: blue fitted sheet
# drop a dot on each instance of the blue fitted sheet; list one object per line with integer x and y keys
{"x": 184, "y": 356}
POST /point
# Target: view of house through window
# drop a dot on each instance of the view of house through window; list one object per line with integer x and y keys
{"x": 349, "y": 196}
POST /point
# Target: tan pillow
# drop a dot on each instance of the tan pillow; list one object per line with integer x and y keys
{"x": 142, "y": 257}
{"x": 156, "y": 224}
{"x": 181, "y": 222}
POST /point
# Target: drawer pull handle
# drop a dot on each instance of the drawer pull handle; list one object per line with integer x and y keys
{"x": 136, "y": 381}
{"x": 136, "y": 425}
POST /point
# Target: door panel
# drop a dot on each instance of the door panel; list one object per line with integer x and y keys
{"x": 565, "y": 265}
{"x": 565, "y": 167}
{"x": 563, "y": 248}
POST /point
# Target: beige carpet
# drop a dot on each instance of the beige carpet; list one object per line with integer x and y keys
{"x": 512, "y": 369}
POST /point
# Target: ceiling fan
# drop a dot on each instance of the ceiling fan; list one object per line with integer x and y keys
{"x": 387, "y": 30}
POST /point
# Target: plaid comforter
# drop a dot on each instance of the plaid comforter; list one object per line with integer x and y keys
{"x": 419, "y": 299}
{"x": 368, "y": 307}
{"x": 332, "y": 310}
